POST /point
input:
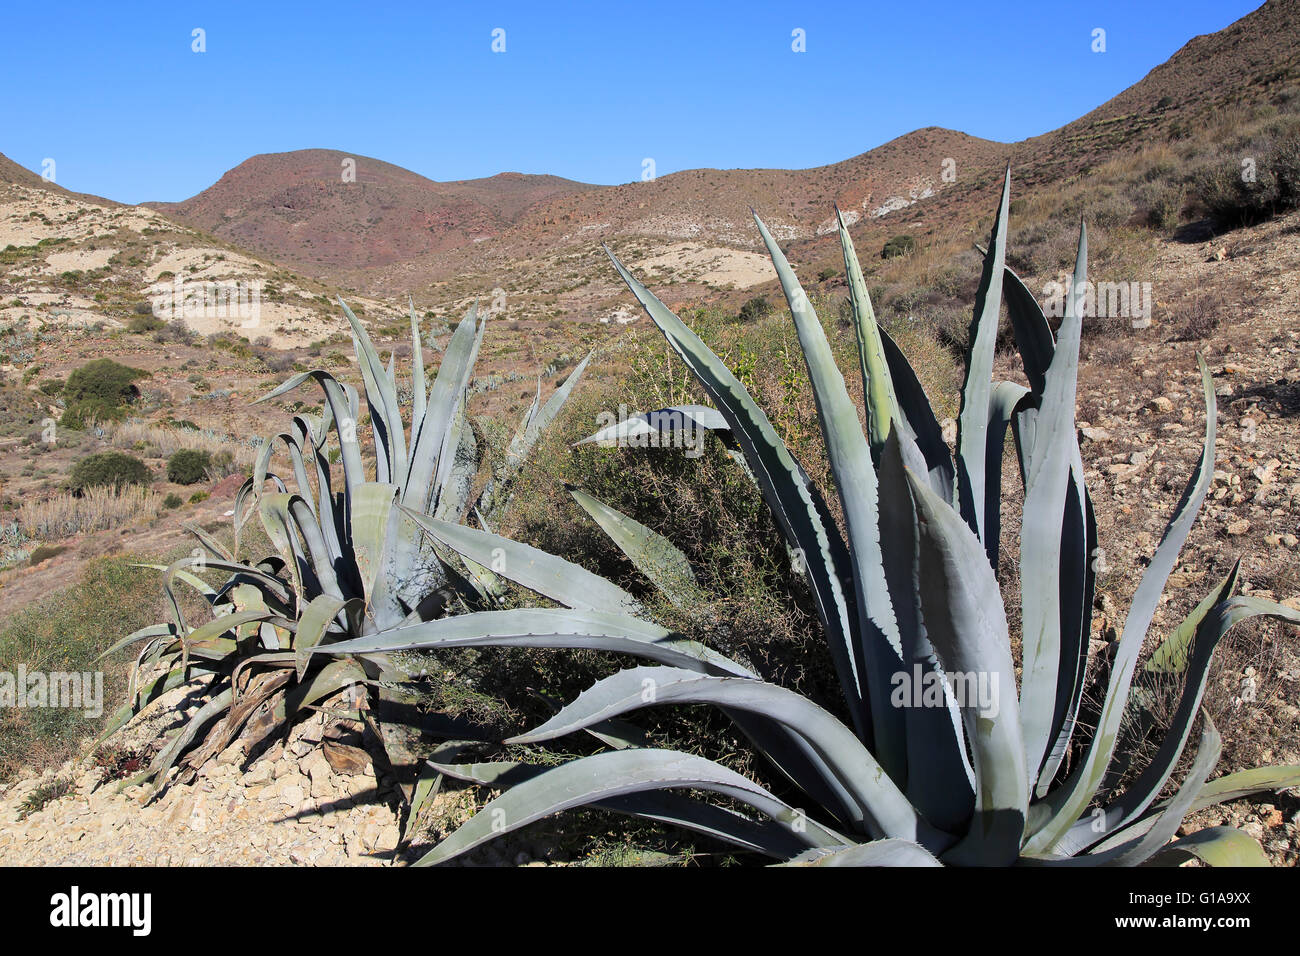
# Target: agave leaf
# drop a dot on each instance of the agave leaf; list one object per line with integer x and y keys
{"x": 879, "y": 654}
{"x": 780, "y": 480}
{"x": 372, "y": 504}
{"x": 1213, "y": 846}
{"x": 147, "y": 695}
{"x": 545, "y": 627}
{"x": 1225, "y": 789}
{"x": 653, "y": 555}
{"x": 1078, "y": 547}
{"x": 1172, "y": 655}
{"x": 315, "y": 620}
{"x": 168, "y": 756}
{"x": 877, "y": 853}
{"x": 330, "y": 679}
{"x": 617, "y": 734}
{"x": 1043, "y": 589}
{"x": 261, "y": 579}
{"x": 882, "y": 808}
{"x": 455, "y": 482}
{"x": 610, "y": 775}
{"x": 548, "y": 412}
{"x": 321, "y": 565}
{"x": 877, "y": 386}
{"x": 1006, "y": 401}
{"x": 381, "y": 397}
{"x": 444, "y": 398}
{"x": 560, "y": 580}
{"x": 1210, "y": 627}
{"x": 1033, "y": 335}
{"x": 145, "y": 633}
{"x": 1245, "y": 783}
{"x": 214, "y": 546}
{"x": 972, "y": 422}
{"x": 1139, "y": 850}
{"x": 428, "y": 781}
{"x": 1064, "y": 805}
{"x": 341, "y": 401}
{"x": 418, "y": 395}
{"x": 919, "y": 418}
{"x": 940, "y": 781}
{"x": 666, "y": 806}
{"x": 489, "y": 587}
{"x": 962, "y": 608}
{"x": 278, "y": 520}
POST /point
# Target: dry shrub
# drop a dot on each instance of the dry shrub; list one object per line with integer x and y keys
{"x": 97, "y": 509}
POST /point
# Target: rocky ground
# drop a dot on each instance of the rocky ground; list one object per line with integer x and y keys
{"x": 311, "y": 800}
{"x": 1142, "y": 420}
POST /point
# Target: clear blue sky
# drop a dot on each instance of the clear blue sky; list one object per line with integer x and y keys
{"x": 113, "y": 92}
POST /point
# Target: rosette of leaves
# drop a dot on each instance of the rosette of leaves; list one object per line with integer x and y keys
{"x": 908, "y": 582}
{"x": 350, "y": 559}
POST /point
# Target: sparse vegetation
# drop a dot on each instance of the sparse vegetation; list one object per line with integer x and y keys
{"x": 66, "y": 631}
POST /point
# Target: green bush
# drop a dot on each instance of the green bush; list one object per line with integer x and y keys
{"x": 100, "y": 390}
{"x": 145, "y": 323}
{"x": 52, "y": 386}
{"x": 107, "y": 468}
{"x": 173, "y": 500}
{"x": 897, "y": 246}
{"x": 198, "y": 496}
{"x": 187, "y": 466}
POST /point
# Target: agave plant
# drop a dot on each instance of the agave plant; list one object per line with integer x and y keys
{"x": 349, "y": 562}
{"x": 906, "y": 588}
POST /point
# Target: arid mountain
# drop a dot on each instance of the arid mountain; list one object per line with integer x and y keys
{"x": 393, "y": 230}
{"x": 324, "y": 210}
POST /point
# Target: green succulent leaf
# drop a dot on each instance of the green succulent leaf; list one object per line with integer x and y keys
{"x": 555, "y": 578}
{"x": 964, "y": 617}
{"x": 604, "y": 776}
{"x": 652, "y": 554}
{"x": 972, "y": 422}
